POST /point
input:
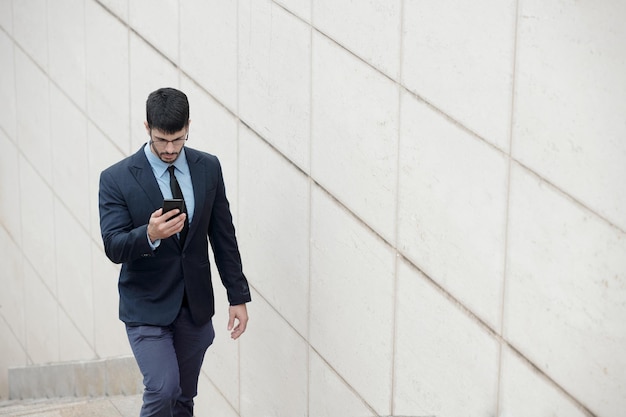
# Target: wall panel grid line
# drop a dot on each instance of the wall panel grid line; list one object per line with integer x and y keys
{"x": 404, "y": 88}
{"x": 243, "y": 123}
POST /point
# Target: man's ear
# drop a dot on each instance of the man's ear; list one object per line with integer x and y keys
{"x": 145, "y": 123}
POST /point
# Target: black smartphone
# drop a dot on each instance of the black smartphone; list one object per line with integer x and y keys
{"x": 173, "y": 203}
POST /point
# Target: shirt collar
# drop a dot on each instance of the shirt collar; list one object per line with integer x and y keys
{"x": 159, "y": 167}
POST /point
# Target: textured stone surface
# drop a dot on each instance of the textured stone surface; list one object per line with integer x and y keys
{"x": 119, "y": 406}
{"x": 114, "y": 376}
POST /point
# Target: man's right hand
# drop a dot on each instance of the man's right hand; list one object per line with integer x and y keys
{"x": 162, "y": 226}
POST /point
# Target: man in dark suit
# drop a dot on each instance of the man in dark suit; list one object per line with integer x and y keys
{"x": 166, "y": 295}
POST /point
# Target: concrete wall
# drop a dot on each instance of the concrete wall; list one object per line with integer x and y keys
{"x": 429, "y": 195}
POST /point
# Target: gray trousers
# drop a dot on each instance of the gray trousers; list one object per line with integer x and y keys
{"x": 170, "y": 359}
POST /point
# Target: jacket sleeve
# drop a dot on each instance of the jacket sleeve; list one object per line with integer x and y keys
{"x": 225, "y": 247}
{"x": 123, "y": 241}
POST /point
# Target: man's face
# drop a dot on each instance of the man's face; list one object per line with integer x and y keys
{"x": 167, "y": 146}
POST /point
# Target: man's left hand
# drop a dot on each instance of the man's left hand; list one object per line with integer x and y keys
{"x": 239, "y": 313}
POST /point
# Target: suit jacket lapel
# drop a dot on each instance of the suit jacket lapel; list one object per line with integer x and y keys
{"x": 142, "y": 171}
{"x": 198, "y": 179}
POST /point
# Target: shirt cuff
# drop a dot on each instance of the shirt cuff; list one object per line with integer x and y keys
{"x": 156, "y": 242}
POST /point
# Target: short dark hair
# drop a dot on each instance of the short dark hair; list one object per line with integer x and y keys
{"x": 167, "y": 110}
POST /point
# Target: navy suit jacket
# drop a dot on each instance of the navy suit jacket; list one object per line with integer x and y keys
{"x": 152, "y": 282}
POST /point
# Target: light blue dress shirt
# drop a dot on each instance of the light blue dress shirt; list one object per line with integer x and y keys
{"x": 183, "y": 176}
